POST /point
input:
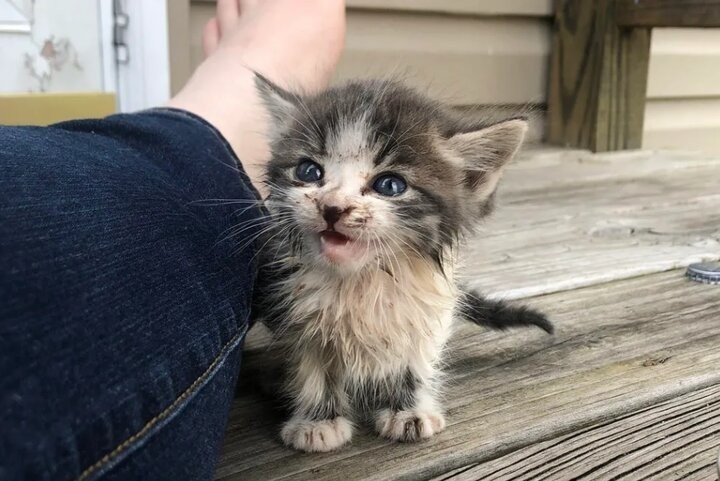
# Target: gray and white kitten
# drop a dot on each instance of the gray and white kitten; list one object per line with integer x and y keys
{"x": 372, "y": 187}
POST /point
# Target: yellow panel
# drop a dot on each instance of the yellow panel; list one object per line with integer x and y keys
{"x": 48, "y": 108}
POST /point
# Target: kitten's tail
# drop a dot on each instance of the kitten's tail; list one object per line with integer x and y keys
{"x": 499, "y": 314}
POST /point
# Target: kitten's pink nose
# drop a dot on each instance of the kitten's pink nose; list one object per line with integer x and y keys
{"x": 332, "y": 214}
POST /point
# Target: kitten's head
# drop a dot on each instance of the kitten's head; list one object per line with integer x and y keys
{"x": 369, "y": 173}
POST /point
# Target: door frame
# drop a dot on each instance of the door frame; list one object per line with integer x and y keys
{"x": 107, "y": 50}
{"x": 143, "y": 81}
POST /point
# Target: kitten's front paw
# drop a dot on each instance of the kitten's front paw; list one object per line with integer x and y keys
{"x": 409, "y": 426}
{"x": 316, "y": 436}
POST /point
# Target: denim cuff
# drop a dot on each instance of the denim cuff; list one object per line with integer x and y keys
{"x": 220, "y": 137}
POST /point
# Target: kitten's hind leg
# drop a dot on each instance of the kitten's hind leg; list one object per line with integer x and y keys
{"x": 320, "y": 407}
{"x": 413, "y": 412}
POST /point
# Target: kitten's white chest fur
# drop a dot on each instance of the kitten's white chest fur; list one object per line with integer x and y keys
{"x": 372, "y": 324}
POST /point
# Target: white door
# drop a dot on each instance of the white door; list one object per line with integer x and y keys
{"x": 56, "y": 46}
{"x": 117, "y": 46}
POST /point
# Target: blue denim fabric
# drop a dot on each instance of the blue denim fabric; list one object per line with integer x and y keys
{"x": 123, "y": 303}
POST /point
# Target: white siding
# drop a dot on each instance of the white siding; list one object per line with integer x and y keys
{"x": 683, "y": 108}
{"x": 468, "y": 59}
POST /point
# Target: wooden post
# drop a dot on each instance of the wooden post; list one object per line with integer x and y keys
{"x": 598, "y": 78}
{"x": 599, "y": 66}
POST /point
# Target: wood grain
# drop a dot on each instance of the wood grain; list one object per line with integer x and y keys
{"x": 598, "y": 78}
{"x": 509, "y": 391}
{"x": 567, "y": 220}
{"x": 668, "y": 13}
{"x": 669, "y": 440}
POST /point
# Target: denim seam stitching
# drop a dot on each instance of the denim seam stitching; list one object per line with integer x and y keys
{"x": 112, "y": 455}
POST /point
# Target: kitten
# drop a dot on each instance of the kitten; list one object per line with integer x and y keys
{"x": 372, "y": 187}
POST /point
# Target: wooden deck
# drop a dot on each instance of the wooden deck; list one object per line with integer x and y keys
{"x": 629, "y": 386}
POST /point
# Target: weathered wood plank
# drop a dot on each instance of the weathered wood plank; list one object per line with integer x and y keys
{"x": 550, "y": 167}
{"x": 598, "y": 78}
{"x": 577, "y": 223}
{"x": 669, "y": 440}
{"x": 620, "y": 347}
{"x": 668, "y": 13}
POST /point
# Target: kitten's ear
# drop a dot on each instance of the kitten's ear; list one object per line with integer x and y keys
{"x": 280, "y": 103}
{"x": 486, "y": 152}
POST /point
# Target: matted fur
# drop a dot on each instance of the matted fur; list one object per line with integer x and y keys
{"x": 365, "y": 338}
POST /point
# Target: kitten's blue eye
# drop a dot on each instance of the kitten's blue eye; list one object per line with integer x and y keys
{"x": 390, "y": 185}
{"x": 308, "y": 171}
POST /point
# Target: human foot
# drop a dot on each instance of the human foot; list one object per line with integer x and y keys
{"x": 295, "y": 43}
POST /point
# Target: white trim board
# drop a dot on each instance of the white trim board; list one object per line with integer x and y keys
{"x": 107, "y": 52}
{"x": 144, "y": 81}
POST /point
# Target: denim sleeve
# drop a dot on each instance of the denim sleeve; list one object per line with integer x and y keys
{"x": 125, "y": 281}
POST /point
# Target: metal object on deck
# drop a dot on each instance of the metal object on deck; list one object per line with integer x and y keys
{"x": 705, "y": 272}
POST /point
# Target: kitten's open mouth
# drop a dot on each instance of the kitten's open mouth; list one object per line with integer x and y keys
{"x": 333, "y": 237}
{"x": 339, "y": 248}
